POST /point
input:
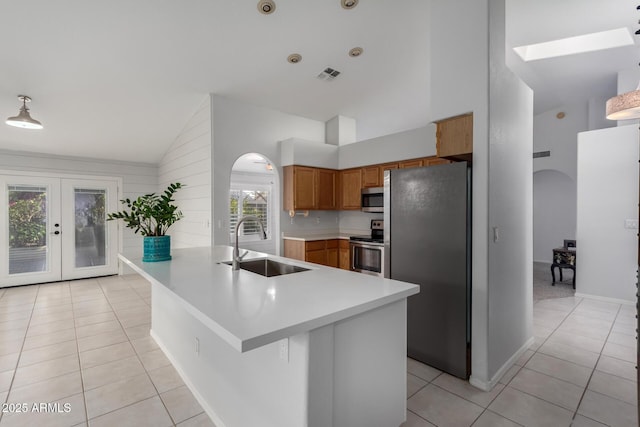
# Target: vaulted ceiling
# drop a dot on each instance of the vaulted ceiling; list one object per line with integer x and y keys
{"x": 119, "y": 79}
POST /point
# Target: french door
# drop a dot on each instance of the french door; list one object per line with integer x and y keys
{"x": 55, "y": 229}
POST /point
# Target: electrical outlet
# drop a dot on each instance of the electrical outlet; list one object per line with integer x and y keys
{"x": 283, "y": 347}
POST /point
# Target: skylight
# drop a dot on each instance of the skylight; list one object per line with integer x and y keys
{"x": 579, "y": 44}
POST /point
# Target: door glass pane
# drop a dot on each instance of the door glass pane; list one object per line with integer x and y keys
{"x": 90, "y": 227}
{"x": 27, "y": 229}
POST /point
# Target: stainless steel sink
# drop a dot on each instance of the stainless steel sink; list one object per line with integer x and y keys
{"x": 268, "y": 267}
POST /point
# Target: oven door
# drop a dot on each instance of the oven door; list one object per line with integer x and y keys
{"x": 367, "y": 258}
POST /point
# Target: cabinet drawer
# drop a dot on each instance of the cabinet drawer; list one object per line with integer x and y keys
{"x": 331, "y": 244}
{"x": 315, "y": 245}
{"x": 343, "y": 244}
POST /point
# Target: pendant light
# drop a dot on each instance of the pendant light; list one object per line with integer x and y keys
{"x": 625, "y": 106}
{"x": 23, "y": 119}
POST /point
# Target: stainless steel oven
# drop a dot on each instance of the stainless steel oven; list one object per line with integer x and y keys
{"x": 367, "y": 257}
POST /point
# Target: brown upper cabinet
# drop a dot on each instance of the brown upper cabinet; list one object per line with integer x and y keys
{"x": 414, "y": 163}
{"x": 307, "y": 188}
{"x": 454, "y": 137}
{"x": 350, "y": 188}
{"x": 371, "y": 176}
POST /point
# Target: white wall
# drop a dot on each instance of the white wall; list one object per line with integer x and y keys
{"x": 554, "y": 212}
{"x": 606, "y": 258}
{"x": 555, "y": 177}
{"x": 420, "y": 142}
{"x": 294, "y": 151}
{"x": 460, "y": 84}
{"x": 240, "y": 128}
{"x": 510, "y": 205}
{"x": 463, "y": 81}
{"x": 137, "y": 178}
{"x": 188, "y": 161}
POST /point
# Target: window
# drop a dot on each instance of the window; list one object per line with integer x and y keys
{"x": 249, "y": 201}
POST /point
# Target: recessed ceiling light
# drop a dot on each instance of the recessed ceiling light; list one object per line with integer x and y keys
{"x": 266, "y": 7}
{"x": 355, "y": 52}
{"x": 349, "y": 4}
{"x": 294, "y": 58}
{"x": 573, "y": 45}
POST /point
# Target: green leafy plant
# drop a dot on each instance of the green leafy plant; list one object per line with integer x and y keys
{"x": 151, "y": 214}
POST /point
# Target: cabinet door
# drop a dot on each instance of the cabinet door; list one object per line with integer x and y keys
{"x": 454, "y": 137}
{"x": 415, "y": 163}
{"x": 385, "y": 167}
{"x": 432, "y": 161}
{"x": 326, "y": 189}
{"x": 332, "y": 257}
{"x": 294, "y": 249}
{"x": 371, "y": 176}
{"x": 344, "y": 257}
{"x": 304, "y": 187}
{"x": 317, "y": 257}
{"x": 351, "y": 183}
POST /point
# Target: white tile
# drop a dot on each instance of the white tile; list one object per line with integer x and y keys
{"x": 491, "y": 419}
{"x": 48, "y": 352}
{"x": 621, "y": 352}
{"x": 528, "y": 410}
{"x": 622, "y": 339}
{"x": 119, "y": 394}
{"x": 421, "y": 370}
{"x": 548, "y": 388}
{"x": 5, "y": 380}
{"x": 561, "y": 369}
{"x": 578, "y": 341}
{"x": 570, "y": 354}
{"x": 106, "y": 354}
{"x": 511, "y": 372}
{"x": 414, "y": 384}
{"x": 61, "y": 417}
{"x": 49, "y": 390}
{"x": 44, "y": 370}
{"x": 144, "y": 345}
{"x": 147, "y": 413}
{"x": 582, "y": 421}
{"x": 614, "y": 386}
{"x": 181, "y": 404}
{"x": 620, "y": 368}
{"x": 97, "y": 328}
{"x": 48, "y": 339}
{"x": 608, "y": 410}
{"x": 117, "y": 370}
{"x": 413, "y": 420}
{"x": 166, "y": 378}
{"x": 154, "y": 359}
{"x": 9, "y": 361}
{"x": 524, "y": 358}
{"x": 440, "y": 407}
{"x": 467, "y": 391}
{"x": 101, "y": 340}
{"x": 50, "y": 327}
{"x": 95, "y": 318}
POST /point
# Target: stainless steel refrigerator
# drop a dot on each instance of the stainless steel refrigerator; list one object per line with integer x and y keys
{"x": 427, "y": 217}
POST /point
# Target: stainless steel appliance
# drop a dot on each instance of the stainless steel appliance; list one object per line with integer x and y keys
{"x": 428, "y": 242}
{"x": 367, "y": 252}
{"x": 372, "y": 199}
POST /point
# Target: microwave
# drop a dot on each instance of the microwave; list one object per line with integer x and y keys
{"x": 372, "y": 199}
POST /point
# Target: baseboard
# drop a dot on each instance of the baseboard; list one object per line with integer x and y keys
{"x": 488, "y": 385}
{"x": 605, "y": 299}
{"x": 207, "y": 409}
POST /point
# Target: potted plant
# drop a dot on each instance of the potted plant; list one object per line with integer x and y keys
{"x": 151, "y": 215}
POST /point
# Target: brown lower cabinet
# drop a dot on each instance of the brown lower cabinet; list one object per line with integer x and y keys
{"x": 325, "y": 252}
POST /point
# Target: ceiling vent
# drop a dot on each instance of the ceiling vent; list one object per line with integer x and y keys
{"x": 328, "y": 74}
{"x": 294, "y": 58}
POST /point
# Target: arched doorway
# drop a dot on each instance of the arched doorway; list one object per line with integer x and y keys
{"x": 253, "y": 190}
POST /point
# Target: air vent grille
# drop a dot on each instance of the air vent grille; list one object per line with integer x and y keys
{"x": 328, "y": 74}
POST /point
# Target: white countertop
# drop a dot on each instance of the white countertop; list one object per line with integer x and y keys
{"x": 311, "y": 237}
{"x": 248, "y": 310}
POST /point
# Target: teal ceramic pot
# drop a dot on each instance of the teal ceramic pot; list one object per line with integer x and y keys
{"x": 157, "y": 248}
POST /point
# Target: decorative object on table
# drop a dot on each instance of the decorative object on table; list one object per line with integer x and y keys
{"x": 151, "y": 215}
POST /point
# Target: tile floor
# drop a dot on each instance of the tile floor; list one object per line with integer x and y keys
{"x": 86, "y": 344}
{"x": 580, "y": 371}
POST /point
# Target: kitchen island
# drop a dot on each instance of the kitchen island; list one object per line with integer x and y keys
{"x": 322, "y": 347}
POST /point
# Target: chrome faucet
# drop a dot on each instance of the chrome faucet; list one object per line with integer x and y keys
{"x": 236, "y": 251}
